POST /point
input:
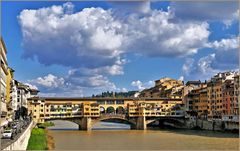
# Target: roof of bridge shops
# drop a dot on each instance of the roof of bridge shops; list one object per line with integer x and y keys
{"x": 100, "y": 99}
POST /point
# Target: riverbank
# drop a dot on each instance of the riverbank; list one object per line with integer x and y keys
{"x": 40, "y": 138}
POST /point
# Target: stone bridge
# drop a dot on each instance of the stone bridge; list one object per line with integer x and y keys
{"x": 88, "y": 111}
{"x": 138, "y": 122}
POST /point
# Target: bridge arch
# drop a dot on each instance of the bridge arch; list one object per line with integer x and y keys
{"x": 64, "y": 123}
{"x": 175, "y": 121}
{"x": 102, "y": 110}
{"x": 110, "y": 110}
{"x": 120, "y": 110}
{"x": 115, "y": 120}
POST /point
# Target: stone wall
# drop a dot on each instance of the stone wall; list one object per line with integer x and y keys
{"x": 22, "y": 142}
{"x": 211, "y": 125}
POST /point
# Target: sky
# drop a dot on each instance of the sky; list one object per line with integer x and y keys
{"x": 84, "y": 48}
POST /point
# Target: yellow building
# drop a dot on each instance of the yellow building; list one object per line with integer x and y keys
{"x": 8, "y": 83}
{"x": 202, "y": 103}
{"x": 164, "y": 87}
{"x": 8, "y": 92}
{"x": 215, "y": 107}
{"x": 190, "y": 85}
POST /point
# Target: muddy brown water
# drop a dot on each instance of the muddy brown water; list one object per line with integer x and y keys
{"x": 110, "y": 136}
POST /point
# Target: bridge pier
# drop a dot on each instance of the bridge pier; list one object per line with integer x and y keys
{"x": 141, "y": 123}
{"x": 86, "y": 124}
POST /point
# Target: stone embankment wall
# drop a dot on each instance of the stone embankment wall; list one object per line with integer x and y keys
{"x": 22, "y": 142}
{"x": 212, "y": 125}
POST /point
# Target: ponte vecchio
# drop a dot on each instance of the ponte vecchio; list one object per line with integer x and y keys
{"x": 138, "y": 112}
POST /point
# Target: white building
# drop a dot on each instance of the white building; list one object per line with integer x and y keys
{"x": 3, "y": 78}
{"x": 21, "y": 94}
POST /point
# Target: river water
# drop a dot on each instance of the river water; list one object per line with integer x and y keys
{"x": 111, "y": 136}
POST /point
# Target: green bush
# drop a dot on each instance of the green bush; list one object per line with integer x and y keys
{"x": 45, "y": 125}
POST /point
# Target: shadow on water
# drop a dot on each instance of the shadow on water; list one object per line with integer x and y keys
{"x": 205, "y": 133}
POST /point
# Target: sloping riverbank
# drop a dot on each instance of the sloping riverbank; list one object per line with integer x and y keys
{"x": 40, "y": 138}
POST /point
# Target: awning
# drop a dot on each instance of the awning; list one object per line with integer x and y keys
{"x": 3, "y": 122}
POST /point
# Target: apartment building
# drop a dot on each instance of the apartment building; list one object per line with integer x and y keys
{"x": 189, "y": 86}
{"x": 236, "y": 94}
{"x": 203, "y": 102}
{"x": 164, "y": 87}
{"x": 220, "y": 92}
{"x": 228, "y": 97}
{"x": 19, "y": 95}
{"x": 3, "y": 83}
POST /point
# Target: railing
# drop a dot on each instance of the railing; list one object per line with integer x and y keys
{"x": 112, "y": 116}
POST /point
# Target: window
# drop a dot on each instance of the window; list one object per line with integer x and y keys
{"x": 100, "y": 102}
{"x": 110, "y": 101}
{"x": 120, "y": 102}
{"x": 35, "y": 110}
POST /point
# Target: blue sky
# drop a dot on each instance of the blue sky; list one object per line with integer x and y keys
{"x": 81, "y": 48}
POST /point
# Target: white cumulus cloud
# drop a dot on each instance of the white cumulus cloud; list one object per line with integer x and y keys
{"x": 95, "y": 37}
{"x": 32, "y": 86}
{"x": 140, "y": 85}
{"x": 94, "y": 42}
{"x": 49, "y": 81}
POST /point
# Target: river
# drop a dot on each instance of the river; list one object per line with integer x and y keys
{"x": 111, "y": 136}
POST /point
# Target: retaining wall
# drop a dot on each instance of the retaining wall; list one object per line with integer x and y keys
{"x": 212, "y": 125}
{"x": 22, "y": 142}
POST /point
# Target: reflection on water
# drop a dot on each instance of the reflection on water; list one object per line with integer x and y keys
{"x": 110, "y": 126}
{"x": 140, "y": 140}
{"x": 66, "y": 125}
